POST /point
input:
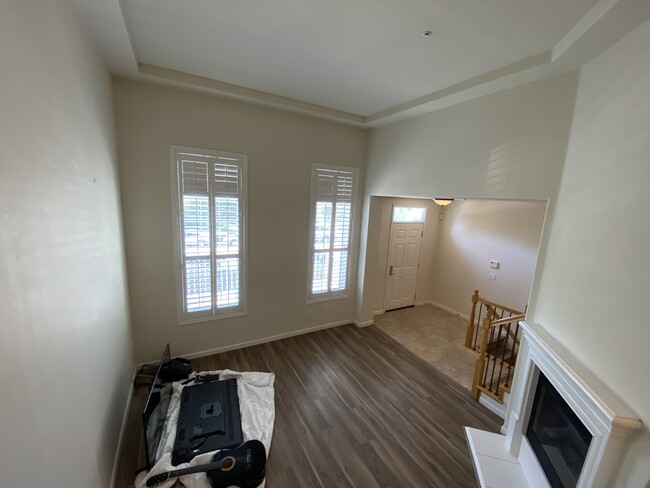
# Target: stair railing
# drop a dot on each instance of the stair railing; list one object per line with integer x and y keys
{"x": 480, "y": 308}
{"x": 497, "y": 354}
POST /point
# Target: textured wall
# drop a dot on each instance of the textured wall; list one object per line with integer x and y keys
{"x": 65, "y": 342}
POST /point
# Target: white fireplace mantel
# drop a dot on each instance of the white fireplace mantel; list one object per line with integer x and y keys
{"x": 501, "y": 460}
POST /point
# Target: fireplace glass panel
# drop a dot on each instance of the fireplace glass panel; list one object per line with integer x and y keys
{"x": 557, "y": 436}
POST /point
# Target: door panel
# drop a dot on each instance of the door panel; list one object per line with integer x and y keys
{"x": 403, "y": 260}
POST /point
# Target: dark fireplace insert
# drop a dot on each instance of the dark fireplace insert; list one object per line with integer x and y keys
{"x": 557, "y": 436}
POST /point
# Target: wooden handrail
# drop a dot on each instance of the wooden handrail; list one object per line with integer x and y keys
{"x": 496, "y": 340}
{"x": 507, "y": 320}
{"x": 502, "y": 307}
{"x": 490, "y": 307}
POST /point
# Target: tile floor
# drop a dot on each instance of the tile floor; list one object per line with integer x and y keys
{"x": 437, "y": 336}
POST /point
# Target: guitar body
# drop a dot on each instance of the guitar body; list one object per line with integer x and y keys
{"x": 247, "y": 470}
{"x": 243, "y": 466}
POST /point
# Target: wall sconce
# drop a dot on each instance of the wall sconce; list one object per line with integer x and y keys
{"x": 443, "y": 202}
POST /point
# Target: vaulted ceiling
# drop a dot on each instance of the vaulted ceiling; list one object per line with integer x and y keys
{"x": 364, "y": 62}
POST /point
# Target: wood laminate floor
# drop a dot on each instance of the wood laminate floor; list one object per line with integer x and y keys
{"x": 354, "y": 408}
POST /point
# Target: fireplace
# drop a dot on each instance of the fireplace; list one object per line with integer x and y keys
{"x": 563, "y": 426}
{"x": 556, "y": 435}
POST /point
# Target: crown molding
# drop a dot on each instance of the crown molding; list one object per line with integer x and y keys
{"x": 242, "y": 93}
{"x": 607, "y": 22}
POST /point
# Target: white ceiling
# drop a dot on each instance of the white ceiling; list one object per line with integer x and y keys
{"x": 360, "y": 61}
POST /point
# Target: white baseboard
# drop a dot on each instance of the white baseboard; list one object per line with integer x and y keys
{"x": 264, "y": 340}
{"x": 450, "y": 310}
{"x": 492, "y": 405}
{"x": 416, "y": 304}
{"x": 363, "y": 324}
{"x": 120, "y": 440}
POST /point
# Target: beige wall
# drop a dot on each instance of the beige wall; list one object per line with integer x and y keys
{"x": 455, "y": 254}
{"x": 474, "y": 232}
{"x": 281, "y": 148}
{"x": 510, "y": 144}
{"x": 593, "y": 288}
{"x": 380, "y": 229}
{"x": 65, "y": 343}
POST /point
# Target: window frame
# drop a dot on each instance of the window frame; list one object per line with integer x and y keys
{"x": 347, "y": 292}
{"x": 184, "y": 317}
{"x": 398, "y": 205}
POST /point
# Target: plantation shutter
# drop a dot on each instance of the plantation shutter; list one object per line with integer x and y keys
{"x": 197, "y": 261}
{"x": 210, "y": 191}
{"x": 195, "y": 176}
{"x": 334, "y": 192}
{"x": 227, "y": 192}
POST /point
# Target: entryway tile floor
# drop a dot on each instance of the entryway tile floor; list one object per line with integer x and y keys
{"x": 435, "y": 335}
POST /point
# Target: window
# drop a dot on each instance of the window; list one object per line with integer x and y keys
{"x": 409, "y": 214}
{"x": 209, "y": 210}
{"x": 333, "y": 194}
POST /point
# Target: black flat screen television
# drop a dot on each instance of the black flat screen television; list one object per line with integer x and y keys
{"x": 209, "y": 419}
{"x": 155, "y": 410}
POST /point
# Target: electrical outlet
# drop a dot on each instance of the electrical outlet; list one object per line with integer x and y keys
{"x": 492, "y": 276}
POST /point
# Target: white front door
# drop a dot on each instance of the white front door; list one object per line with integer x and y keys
{"x": 403, "y": 262}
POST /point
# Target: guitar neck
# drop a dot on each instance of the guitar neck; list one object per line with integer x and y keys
{"x": 202, "y": 468}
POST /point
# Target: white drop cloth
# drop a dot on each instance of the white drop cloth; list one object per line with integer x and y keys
{"x": 257, "y": 408}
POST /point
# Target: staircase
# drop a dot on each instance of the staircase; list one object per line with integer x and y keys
{"x": 493, "y": 332}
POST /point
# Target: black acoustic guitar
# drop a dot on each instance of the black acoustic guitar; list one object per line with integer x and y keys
{"x": 242, "y": 466}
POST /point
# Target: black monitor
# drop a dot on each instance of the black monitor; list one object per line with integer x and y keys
{"x": 208, "y": 420}
{"x": 155, "y": 410}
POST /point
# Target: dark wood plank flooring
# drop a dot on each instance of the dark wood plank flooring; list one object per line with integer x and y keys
{"x": 354, "y": 408}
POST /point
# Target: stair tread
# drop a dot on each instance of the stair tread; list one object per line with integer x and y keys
{"x": 507, "y": 362}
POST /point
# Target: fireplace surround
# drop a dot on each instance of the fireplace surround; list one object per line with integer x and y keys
{"x": 508, "y": 460}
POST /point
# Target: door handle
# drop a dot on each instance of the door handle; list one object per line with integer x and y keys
{"x": 390, "y": 273}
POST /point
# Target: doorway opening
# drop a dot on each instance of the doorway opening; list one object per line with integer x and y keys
{"x": 406, "y": 234}
{"x": 489, "y": 245}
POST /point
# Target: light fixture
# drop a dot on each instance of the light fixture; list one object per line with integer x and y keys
{"x": 427, "y": 33}
{"x": 443, "y": 201}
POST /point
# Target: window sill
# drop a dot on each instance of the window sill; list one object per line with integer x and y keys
{"x": 211, "y": 318}
{"x": 327, "y": 298}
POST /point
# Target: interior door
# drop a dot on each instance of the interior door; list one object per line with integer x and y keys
{"x": 403, "y": 261}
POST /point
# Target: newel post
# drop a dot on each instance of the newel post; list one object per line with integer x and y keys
{"x": 469, "y": 336}
{"x": 479, "y": 369}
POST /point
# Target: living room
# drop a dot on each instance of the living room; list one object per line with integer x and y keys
{"x": 88, "y": 288}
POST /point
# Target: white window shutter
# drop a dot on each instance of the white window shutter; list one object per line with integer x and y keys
{"x": 333, "y": 194}
{"x": 194, "y": 176}
{"x": 210, "y": 190}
